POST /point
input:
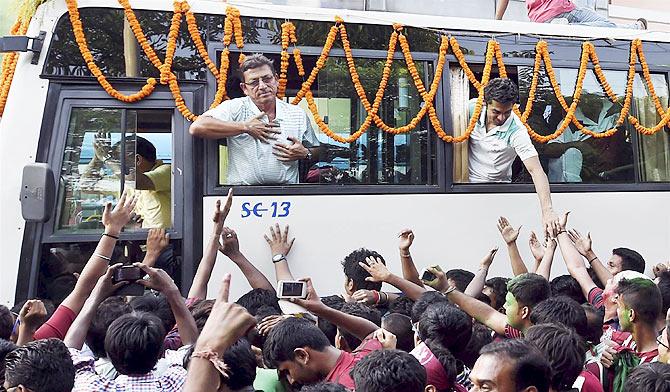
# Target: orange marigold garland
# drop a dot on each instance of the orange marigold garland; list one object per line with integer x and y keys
{"x": 197, "y": 39}
{"x": 173, "y": 34}
{"x": 10, "y": 60}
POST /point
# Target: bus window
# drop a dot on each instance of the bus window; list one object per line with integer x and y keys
{"x": 377, "y": 157}
{"x": 95, "y": 157}
{"x": 654, "y": 150}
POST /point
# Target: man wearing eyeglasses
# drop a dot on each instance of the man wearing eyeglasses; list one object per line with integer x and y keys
{"x": 266, "y": 136}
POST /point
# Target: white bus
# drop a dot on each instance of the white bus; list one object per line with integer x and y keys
{"x": 360, "y": 194}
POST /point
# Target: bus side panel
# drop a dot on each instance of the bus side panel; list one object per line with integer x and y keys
{"x": 454, "y": 231}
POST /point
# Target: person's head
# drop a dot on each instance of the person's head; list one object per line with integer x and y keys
{"x": 562, "y": 310}
{"x": 481, "y": 336}
{"x": 328, "y": 328}
{"x": 241, "y": 362}
{"x": 459, "y": 278}
{"x": 639, "y": 303}
{"x": 355, "y": 274}
{"x": 253, "y": 336}
{"x": 6, "y": 347}
{"x": 523, "y": 293}
{"x": 447, "y": 325}
{"x": 295, "y": 347}
{"x": 428, "y": 298}
{"x": 145, "y": 154}
{"x": 259, "y": 79}
{"x": 568, "y": 286}
{"x": 324, "y": 387}
{"x": 402, "y": 305}
{"x": 201, "y": 311}
{"x": 496, "y": 289}
{"x": 40, "y": 366}
{"x": 157, "y": 305}
{"x": 401, "y": 326}
{"x": 594, "y": 323}
{"x": 256, "y": 298}
{"x": 512, "y": 365}
{"x": 390, "y": 371}
{"x": 108, "y": 311}
{"x": 500, "y": 96}
{"x": 6, "y": 322}
{"x": 609, "y": 292}
{"x": 649, "y": 377}
{"x": 345, "y": 340}
{"x": 625, "y": 259}
{"x": 134, "y": 343}
{"x": 563, "y": 348}
{"x": 664, "y": 341}
{"x": 664, "y": 287}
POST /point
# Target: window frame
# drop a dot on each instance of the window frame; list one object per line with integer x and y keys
{"x": 212, "y": 188}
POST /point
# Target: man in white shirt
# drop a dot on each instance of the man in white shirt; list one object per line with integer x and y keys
{"x": 266, "y": 136}
{"x": 498, "y": 138}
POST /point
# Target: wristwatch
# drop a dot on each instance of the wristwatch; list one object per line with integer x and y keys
{"x": 309, "y": 155}
{"x": 278, "y": 257}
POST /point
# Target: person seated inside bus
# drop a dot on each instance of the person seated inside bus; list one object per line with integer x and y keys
{"x": 551, "y": 11}
{"x": 266, "y": 136}
{"x": 498, "y": 138}
{"x": 153, "y": 178}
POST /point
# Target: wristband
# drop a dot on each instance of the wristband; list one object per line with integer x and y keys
{"x": 449, "y": 290}
{"x": 108, "y": 259}
{"x": 214, "y": 359}
{"x": 386, "y": 298}
{"x": 405, "y": 254}
{"x": 111, "y": 236}
{"x": 591, "y": 261}
{"x": 561, "y": 232}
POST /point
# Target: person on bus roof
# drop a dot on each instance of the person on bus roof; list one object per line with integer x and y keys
{"x": 545, "y": 11}
{"x": 498, "y": 138}
{"x": 266, "y": 136}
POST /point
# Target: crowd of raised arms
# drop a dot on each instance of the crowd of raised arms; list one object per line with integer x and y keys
{"x": 603, "y": 327}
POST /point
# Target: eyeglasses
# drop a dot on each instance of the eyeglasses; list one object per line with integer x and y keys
{"x": 659, "y": 340}
{"x": 267, "y": 79}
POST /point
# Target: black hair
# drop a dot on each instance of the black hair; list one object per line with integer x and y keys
{"x": 328, "y": 328}
{"x": 499, "y": 286}
{"x": 649, "y": 377}
{"x": 6, "y": 347}
{"x": 241, "y": 362}
{"x": 289, "y": 335}
{"x": 157, "y": 305}
{"x": 568, "y": 286}
{"x": 253, "y": 336}
{"x": 200, "y": 312}
{"x": 108, "y": 311}
{"x": 6, "y": 323}
{"x": 402, "y": 305}
{"x": 643, "y": 297}
{"x": 501, "y": 90}
{"x": 358, "y": 310}
{"x": 389, "y": 371}
{"x": 481, "y": 336}
{"x": 41, "y": 366}
{"x": 254, "y": 61}
{"x": 664, "y": 287}
{"x": 594, "y": 323}
{"x": 324, "y": 387}
{"x": 563, "y": 348}
{"x": 483, "y": 298}
{"x": 356, "y": 273}
{"x": 529, "y": 289}
{"x": 630, "y": 259}
{"x": 134, "y": 343}
{"x": 461, "y": 278}
{"x": 531, "y": 368}
{"x": 145, "y": 149}
{"x": 428, "y": 298}
{"x": 256, "y": 298}
{"x": 446, "y": 324}
{"x": 401, "y": 326}
{"x": 561, "y": 309}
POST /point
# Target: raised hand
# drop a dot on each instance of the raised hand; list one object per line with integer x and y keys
{"x": 290, "y": 152}
{"x": 105, "y": 286}
{"x": 229, "y": 245}
{"x": 488, "y": 259}
{"x": 386, "y": 338}
{"x": 536, "y": 247}
{"x": 261, "y": 130}
{"x": 406, "y": 238}
{"x": 440, "y": 283}
{"x": 115, "y": 218}
{"x": 377, "y": 270}
{"x": 583, "y": 244}
{"x": 157, "y": 240}
{"x": 220, "y": 215}
{"x": 508, "y": 233}
{"x": 33, "y": 314}
{"x": 550, "y": 221}
{"x": 364, "y": 296}
{"x": 279, "y": 244}
{"x": 269, "y": 322}
{"x": 312, "y": 302}
{"x": 158, "y": 280}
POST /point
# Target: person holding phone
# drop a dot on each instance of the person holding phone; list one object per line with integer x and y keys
{"x": 266, "y": 136}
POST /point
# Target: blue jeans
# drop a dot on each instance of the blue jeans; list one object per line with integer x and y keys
{"x": 588, "y": 17}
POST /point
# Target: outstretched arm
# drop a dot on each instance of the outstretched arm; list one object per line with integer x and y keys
{"x": 230, "y": 247}
{"x": 544, "y": 269}
{"x": 583, "y": 246}
{"x": 409, "y": 270}
{"x": 280, "y": 246}
{"x": 477, "y": 283}
{"x": 510, "y": 235}
{"x": 541, "y": 182}
{"x": 379, "y": 273}
{"x": 573, "y": 260}
{"x": 502, "y": 7}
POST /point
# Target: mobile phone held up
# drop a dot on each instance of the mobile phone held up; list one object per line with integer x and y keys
{"x": 291, "y": 289}
{"x": 428, "y": 276}
{"x": 127, "y": 273}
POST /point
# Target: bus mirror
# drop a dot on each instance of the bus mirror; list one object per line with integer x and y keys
{"x": 37, "y": 192}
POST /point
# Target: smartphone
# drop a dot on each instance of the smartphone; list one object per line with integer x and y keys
{"x": 127, "y": 273}
{"x": 428, "y": 276}
{"x": 292, "y": 289}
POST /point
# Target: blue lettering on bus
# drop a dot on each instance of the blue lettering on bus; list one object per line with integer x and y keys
{"x": 276, "y": 209}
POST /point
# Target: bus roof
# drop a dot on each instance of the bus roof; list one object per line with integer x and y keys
{"x": 483, "y": 26}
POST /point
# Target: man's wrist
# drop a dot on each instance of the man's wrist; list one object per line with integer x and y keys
{"x": 590, "y": 254}
{"x": 112, "y": 231}
{"x": 235, "y": 257}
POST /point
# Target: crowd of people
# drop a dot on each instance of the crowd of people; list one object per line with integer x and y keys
{"x": 602, "y": 327}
